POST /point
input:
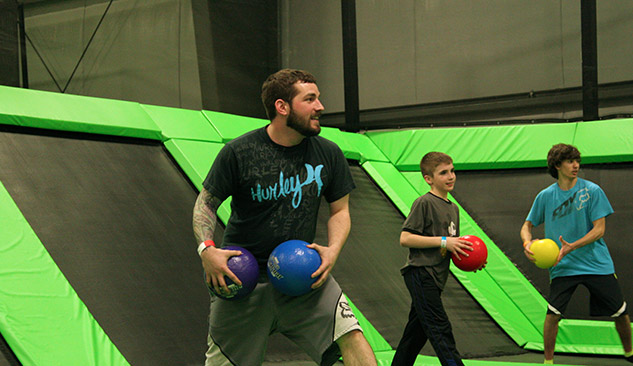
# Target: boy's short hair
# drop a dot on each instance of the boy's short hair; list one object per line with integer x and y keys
{"x": 559, "y": 153}
{"x": 281, "y": 85}
{"x": 431, "y": 160}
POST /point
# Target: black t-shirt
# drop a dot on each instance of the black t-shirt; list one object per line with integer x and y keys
{"x": 276, "y": 190}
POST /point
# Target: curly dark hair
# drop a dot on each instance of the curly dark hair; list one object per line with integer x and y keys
{"x": 280, "y": 85}
{"x": 559, "y": 153}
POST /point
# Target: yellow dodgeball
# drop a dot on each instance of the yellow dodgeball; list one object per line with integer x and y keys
{"x": 545, "y": 252}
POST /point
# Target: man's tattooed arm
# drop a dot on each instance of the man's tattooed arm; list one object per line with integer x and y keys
{"x": 205, "y": 215}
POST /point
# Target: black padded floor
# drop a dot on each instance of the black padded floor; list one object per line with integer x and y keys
{"x": 116, "y": 218}
{"x": 7, "y": 357}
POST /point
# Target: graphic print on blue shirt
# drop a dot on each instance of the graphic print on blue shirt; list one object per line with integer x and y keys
{"x": 568, "y": 205}
{"x": 290, "y": 185}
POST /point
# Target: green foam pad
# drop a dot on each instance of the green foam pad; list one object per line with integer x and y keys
{"x": 495, "y": 147}
{"x": 385, "y": 358}
{"x": 230, "y": 126}
{"x": 55, "y": 111}
{"x": 584, "y": 336}
{"x": 605, "y": 141}
{"x": 184, "y": 124}
{"x": 195, "y": 159}
{"x": 41, "y": 317}
{"x": 341, "y": 139}
{"x": 375, "y": 340}
{"x": 391, "y": 181}
{"x": 365, "y": 147}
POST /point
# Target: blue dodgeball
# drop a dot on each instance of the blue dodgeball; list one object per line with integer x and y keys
{"x": 290, "y": 266}
{"x": 246, "y": 269}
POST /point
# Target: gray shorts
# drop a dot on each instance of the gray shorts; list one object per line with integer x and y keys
{"x": 239, "y": 330}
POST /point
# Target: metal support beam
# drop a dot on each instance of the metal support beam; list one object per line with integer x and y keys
{"x": 350, "y": 66}
{"x": 589, "y": 60}
{"x": 22, "y": 27}
{"x": 9, "y": 64}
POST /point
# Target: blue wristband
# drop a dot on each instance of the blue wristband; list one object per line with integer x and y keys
{"x": 443, "y": 242}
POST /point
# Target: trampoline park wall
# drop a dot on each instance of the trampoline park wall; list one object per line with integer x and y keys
{"x": 38, "y": 302}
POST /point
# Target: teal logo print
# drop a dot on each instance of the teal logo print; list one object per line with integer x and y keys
{"x": 289, "y": 186}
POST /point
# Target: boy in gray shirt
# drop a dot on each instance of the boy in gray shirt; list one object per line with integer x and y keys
{"x": 430, "y": 232}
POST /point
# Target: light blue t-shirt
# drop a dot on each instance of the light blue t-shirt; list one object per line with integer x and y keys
{"x": 571, "y": 214}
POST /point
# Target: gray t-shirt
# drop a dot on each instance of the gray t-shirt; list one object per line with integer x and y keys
{"x": 432, "y": 216}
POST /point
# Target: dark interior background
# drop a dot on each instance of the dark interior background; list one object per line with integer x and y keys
{"x": 418, "y": 62}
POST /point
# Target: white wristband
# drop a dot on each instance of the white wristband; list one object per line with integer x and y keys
{"x": 204, "y": 245}
{"x": 443, "y": 242}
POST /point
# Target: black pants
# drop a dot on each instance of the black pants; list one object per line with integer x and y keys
{"x": 427, "y": 321}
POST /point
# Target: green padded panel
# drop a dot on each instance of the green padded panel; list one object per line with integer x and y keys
{"x": 584, "y": 336}
{"x": 416, "y": 180}
{"x": 392, "y": 143}
{"x": 504, "y": 292}
{"x": 365, "y": 147}
{"x": 41, "y": 317}
{"x": 355, "y": 146}
{"x": 340, "y": 138}
{"x": 392, "y": 183}
{"x": 605, "y": 141}
{"x": 376, "y": 341}
{"x": 55, "y": 111}
{"x": 195, "y": 159}
{"x": 602, "y": 141}
{"x": 230, "y": 126}
{"x": 185, "y": 124}
{"x": 384, "y": 359}
{"x": 496, "y": 147}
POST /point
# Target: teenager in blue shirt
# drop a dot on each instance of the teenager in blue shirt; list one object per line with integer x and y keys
{"x": 574, "y": 212}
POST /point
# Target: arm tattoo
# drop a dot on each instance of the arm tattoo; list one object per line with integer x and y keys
{"x": 205, "y": 215}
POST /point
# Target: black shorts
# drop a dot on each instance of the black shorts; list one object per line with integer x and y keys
{"x": 606, "y": 297}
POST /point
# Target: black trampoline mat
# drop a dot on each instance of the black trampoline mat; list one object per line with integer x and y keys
{"x": 116, "y": 218}
{"x": 7, "y": 357}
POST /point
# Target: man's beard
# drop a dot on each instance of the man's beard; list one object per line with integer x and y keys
{"x": 301, "y": 126}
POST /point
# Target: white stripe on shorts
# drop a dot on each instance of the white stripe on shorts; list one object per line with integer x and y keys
{"x": 345, "y": 321}
{"x": 553, "y": 309}
{"x": 214, "y": 356}
{"x": 620, "y": 311}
